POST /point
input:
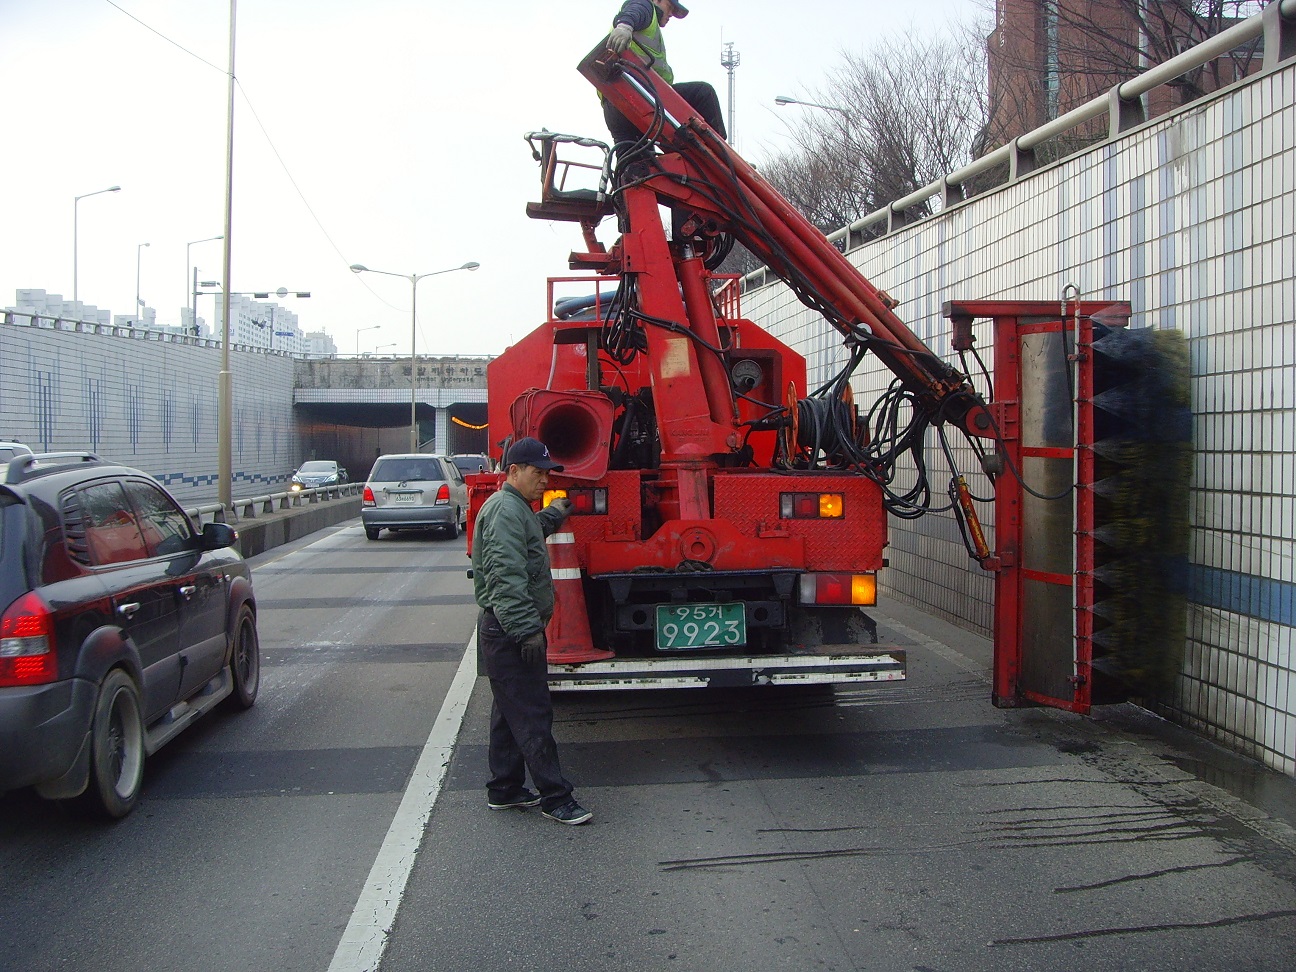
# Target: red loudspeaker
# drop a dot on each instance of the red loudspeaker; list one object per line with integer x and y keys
{"x": 575, "y": 425}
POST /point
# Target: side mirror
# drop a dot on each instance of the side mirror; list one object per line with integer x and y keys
{"x": 216, "y": 536}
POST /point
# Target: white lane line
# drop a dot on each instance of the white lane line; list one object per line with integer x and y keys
{"x": 365, "y": 939}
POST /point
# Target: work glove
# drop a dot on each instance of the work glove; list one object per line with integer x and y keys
{"x": 563, "y": 505}
{"x": 533, "y": 647}
{"x": 620, "y": 37}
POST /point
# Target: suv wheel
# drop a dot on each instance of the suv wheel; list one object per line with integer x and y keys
{"x": 245, "y": 660}
{"x": 116, "y": 748}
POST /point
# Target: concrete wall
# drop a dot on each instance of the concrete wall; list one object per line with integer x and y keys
{"x": 150, "y": 404}
{"x": 1192, "y": 219}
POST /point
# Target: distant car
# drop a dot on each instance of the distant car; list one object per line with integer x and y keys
{"x": 11, "y": 450}
{"x": 471, "y": 463}
{"x": 121, "y": 625}
{"x": 316, "y": 473}
{"x": 414, "y": 492}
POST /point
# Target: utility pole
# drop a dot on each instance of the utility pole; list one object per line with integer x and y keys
{"x": 729, "y": 60}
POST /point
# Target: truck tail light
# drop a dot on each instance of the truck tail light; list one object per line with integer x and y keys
{"x": 585, "y": 501}
{"x": 443, "y": 495}
{"x": 27, "y": 643}
{"x": 838, "y": 588}
{"x": 811, "y": 506}
{"x": 368, "y": 498}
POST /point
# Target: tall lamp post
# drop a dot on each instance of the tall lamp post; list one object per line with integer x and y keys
{"x": 785, "y": 100}
{"x": 414, "y": 278}
{"x": 193, "y": 290}
{"x": 361, "y": 330}
{"x": 138, "y": 303}
{"x": 75, "y": 200}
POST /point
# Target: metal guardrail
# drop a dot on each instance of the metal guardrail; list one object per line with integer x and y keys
{"x": 251, "y": 508}
{"x": 1276, "y": 23}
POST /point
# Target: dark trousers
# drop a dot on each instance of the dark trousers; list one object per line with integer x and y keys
{"x": 700, "y": 95}
{"x": 521, "y": 726}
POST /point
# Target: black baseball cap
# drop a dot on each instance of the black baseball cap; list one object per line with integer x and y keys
{"x": 680, "y": 10}
{"x": 530, "y": 452}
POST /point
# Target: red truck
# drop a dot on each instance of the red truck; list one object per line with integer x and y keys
{"x": 729, "y": 521}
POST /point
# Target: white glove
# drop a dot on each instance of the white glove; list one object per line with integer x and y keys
{"x": 563, "y": 505}
{"x": 620, "y": 37}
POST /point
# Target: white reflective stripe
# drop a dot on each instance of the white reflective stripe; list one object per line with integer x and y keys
{"x": 565, "y": 573}
{"x": 561, "y": 538}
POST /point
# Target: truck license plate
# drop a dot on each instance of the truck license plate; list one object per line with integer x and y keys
{"x": 681, "y": 626}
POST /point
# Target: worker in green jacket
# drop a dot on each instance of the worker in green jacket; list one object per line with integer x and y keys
{"x": 638, "y": 26}
{"x": 514, "y": 590}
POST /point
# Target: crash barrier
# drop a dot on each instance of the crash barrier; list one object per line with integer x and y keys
{"x": 265, "y": 522}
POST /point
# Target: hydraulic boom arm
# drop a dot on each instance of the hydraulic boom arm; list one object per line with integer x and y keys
{"x": 702, "y": 174}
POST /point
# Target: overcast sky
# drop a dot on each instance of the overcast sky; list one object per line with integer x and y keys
{"x": 400, "y": 122}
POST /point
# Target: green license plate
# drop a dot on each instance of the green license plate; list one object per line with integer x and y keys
{"x": 681, "y": 626}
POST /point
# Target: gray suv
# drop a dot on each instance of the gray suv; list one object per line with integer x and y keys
{"x": 414, "y": 492}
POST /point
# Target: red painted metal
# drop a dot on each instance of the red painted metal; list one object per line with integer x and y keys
{"x": 1011, "y": 321}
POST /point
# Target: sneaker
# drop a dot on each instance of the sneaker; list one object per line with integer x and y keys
{"x": 571, "y": 813}
{"x": 521, "y": 800}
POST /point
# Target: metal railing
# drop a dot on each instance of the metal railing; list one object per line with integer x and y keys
{"x": 1276, "y": 24}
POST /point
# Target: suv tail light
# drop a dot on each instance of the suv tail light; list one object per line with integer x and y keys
{"x": 443, "y": 495}
{"x": 27, "y": 643}
{"x": 368, "y": 498}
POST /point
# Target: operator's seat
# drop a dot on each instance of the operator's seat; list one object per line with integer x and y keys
{"x": 569, "y": 205}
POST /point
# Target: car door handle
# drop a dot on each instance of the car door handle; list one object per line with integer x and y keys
{"x": 188, "y": 590}
{"x": 128, "y": 610}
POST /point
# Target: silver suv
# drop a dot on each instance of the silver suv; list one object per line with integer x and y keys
{"x": 414, "y": 492}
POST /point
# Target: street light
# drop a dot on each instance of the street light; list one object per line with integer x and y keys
{"x": 193, "y": 304}
{"x": 785, "y": 100}
{"x": 381, "y": 346}
{"x": 361, "y": 330}
{"x": 138, "y": 303}
{"x": 75, "y": 200}
{"x": 414, "y": 278}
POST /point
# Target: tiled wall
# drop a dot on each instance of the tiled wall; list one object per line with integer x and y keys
{"x": 1191, "y": 219}
{"x": 150, "y": 404}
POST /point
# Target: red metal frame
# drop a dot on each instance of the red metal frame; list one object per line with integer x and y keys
{"x": 1011, "y": 320}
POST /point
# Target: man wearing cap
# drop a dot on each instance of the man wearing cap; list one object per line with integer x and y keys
{"x": 514, "y": 590}
{"x": 638, "y": 26}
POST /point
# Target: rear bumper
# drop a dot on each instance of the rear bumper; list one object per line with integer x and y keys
{"x": 391, "y": 518}
{"x": 822, "y": 667}
{"x": 42, "y": 729}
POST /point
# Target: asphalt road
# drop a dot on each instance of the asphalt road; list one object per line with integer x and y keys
{"x": 909, "y": 826}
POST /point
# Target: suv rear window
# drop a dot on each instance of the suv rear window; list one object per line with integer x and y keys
{"x": 401, "y": 470}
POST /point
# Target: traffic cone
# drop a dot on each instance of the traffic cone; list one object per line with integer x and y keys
{"x": 570, "y": 642}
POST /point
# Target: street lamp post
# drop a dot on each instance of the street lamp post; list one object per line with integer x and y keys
{"x": 138, "y": 303}
{"x": 75, "y": 200}
{"x": 361, "y": 330}
{"x": 414, "y": 278}
{"x": 193, "y": 291}
{"x": 785, "y": 100}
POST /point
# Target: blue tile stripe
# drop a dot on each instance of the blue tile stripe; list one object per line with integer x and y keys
{"x": 1256, "y": 597}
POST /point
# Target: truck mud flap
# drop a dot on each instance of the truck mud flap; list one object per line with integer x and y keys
{"x": 820, "y": 668}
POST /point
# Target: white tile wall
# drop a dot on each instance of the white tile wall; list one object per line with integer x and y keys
{"x": 1192, "y": 219}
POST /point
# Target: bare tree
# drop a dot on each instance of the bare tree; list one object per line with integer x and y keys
{"x": 897, "y": 117}
{"x": 1049, "y": 56}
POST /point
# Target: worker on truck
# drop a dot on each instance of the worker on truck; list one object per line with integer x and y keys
{"x": 638, "y": 26}
{"x": 514, "y": 589}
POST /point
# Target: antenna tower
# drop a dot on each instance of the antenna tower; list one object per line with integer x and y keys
{"x": 729, "y": 60}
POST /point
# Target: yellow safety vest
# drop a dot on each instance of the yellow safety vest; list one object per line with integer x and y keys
{"x": 649, "y": 45}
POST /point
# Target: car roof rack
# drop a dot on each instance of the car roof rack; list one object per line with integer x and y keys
{"x": 22, "y": 468}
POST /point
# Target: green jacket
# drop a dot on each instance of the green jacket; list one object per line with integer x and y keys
{"x": 647, "y": 42}
{"x": 511, "y": 562}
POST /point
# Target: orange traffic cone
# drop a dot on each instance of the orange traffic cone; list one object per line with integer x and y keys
{"x": 570, "y": 642}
